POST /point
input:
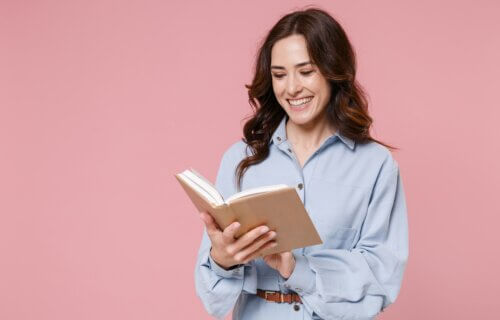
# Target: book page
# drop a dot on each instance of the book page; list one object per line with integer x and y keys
{"x": 256, "y": 190}
{"x": 202, "y": 185}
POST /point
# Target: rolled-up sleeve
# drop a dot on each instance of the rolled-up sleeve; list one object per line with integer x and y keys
{"x": 218, "y": 288}
{"x": 358, "y": 283}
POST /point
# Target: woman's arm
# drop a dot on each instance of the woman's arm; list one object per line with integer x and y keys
{"x": 219, "y": 284}
{"x": 359, "y": 283}
{"x": 217, "y": 288}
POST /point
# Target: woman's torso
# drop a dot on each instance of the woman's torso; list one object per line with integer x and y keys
{"x": 335, "y": 185}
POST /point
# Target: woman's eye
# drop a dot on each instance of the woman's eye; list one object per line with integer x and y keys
{"x": 279, "y": 76}
{"x": 305, "y": 73}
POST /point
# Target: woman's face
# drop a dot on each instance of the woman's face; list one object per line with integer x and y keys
{"x": 298, "y": 85}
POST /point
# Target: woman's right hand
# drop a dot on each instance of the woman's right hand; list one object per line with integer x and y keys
{"x": 227, "y": 251}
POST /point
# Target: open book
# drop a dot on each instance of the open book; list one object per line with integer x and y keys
{"x": 277, "y": 206}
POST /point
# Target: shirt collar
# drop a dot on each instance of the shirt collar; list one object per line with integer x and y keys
{"x": 279, "y": 135}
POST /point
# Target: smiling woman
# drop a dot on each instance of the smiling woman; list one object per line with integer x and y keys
{"x": 306, "y": 54}
{"x": 310, "y": 130}
{"x": 300, "y": 87}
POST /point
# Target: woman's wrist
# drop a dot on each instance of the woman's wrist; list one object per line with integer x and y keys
{"x": 220, "y": 264}
{"x": 289, "y": 270}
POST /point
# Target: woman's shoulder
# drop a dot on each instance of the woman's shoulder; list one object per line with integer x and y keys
{"x": 378, "y": 155}
{"x": 235, "y": 152}
{"x": 236, "y": 149}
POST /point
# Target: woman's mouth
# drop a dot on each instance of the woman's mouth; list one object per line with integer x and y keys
{"x": 299, "y": 104}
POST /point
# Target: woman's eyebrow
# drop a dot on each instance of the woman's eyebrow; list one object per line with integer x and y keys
{"x": 297, "y": 65}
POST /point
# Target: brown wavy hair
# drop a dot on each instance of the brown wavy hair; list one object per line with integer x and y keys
{"x": 330, "y": 49}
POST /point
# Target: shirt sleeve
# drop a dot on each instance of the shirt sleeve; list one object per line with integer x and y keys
{"x": 218, "y": 288}
{"x": 361, "y": 282}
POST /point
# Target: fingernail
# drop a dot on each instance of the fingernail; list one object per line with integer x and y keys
{"x": 272, "y": 234}
{"x": 236, "y": 225}
{"x": 264, "y": 229}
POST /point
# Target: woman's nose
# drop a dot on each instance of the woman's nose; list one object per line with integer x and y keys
{"x": 293, "y": 86}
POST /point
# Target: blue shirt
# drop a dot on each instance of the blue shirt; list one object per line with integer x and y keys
{"x": 354, "y": 195}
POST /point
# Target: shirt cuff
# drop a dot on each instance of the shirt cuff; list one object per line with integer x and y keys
{"x": 223, "y": 273}
{"x": 302, "y": 280}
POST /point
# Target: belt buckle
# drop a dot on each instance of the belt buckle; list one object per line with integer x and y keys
{"x": 273, "y": 292}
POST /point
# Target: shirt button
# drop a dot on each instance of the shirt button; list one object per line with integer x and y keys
{"x": 278, "y": 138}
{"x": 289, "y": 150}
{"x": 287, "y": 286}
{"x": 296, "y": 307}
{"x": 300, "y": 186}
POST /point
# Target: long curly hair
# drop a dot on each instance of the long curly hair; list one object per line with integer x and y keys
{"x": 328, "y": 48}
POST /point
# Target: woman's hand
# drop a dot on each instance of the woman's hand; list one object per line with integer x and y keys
{"x": 227, "y": 251}
{"x": 283, "y": 262}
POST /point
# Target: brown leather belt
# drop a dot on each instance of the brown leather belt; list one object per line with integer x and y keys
{"x": 279, "y": 297}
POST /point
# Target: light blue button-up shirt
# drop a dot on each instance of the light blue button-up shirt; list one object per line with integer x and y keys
{"x": 354, "y": 195}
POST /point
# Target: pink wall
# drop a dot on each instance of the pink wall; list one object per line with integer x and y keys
{"x": 101, "y": 102}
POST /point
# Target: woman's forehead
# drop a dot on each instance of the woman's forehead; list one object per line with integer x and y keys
{"x": 290, "y": 51}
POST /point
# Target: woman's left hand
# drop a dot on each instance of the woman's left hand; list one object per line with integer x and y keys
{"x": 283, "y": 262}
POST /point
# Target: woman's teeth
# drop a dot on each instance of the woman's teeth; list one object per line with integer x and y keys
{"x": 300, "y": 102}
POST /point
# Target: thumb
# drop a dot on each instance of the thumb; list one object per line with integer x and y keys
{"x": 210, "y": 223}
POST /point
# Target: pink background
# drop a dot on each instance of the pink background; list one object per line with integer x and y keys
{"x": 101, "y": 102}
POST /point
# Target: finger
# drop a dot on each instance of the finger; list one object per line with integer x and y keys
{"x": 210, "y": 223}
{"x": 250, "y": 237}
{"x": 230, "y": 231}
{"x": 258, "y": 253}
{"x": 256, "y": 245}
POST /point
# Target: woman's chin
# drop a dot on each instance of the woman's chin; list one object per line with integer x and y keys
{"x": 299, "y": 120}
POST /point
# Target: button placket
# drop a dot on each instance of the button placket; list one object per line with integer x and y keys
{"x": 285, "y": 147}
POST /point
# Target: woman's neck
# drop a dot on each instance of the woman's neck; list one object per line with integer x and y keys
{"x": 309, "y": 136}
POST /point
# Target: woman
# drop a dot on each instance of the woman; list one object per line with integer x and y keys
{"x": 310, "y": 129}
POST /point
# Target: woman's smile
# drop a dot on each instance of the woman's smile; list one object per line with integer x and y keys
{"x": 300, "y": 104}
